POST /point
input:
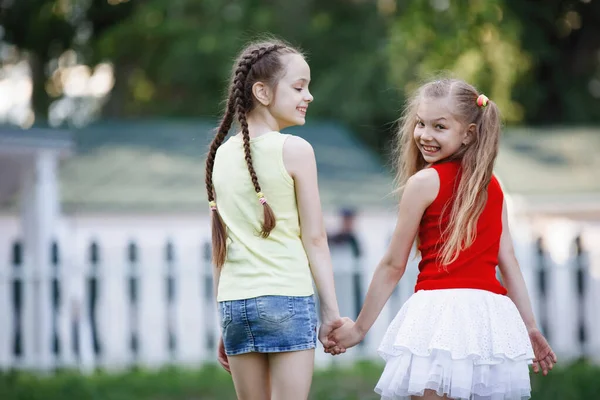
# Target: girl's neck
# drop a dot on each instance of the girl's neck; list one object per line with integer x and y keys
{"x": 261, "y": 123}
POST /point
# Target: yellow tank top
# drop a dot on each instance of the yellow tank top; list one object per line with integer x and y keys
{"x": 254, "y": 266}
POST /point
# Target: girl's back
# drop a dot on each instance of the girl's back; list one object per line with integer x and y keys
{"x": 475, "y": 266}
{"x": 257, "y": 266}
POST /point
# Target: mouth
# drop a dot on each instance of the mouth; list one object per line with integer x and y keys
{"x": 430, "y": 149}
{"x": 302, "y": 110}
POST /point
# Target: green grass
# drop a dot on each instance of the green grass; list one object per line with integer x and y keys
{"x": 578, "y": 381}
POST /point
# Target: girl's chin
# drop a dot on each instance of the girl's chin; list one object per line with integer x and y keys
{"x": 298, "y": 121}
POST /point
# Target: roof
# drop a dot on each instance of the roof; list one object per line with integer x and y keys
{"x": 546, "y": 165}
{"x": 159, "y": 166}
{"x": 34, "y": 138}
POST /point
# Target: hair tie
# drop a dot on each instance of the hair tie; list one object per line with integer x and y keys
{"x": 261, "y": 198}
{"x": 212, "y": 205}
{"x": 482, "y": 100}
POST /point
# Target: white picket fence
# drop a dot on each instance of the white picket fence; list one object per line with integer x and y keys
{"x": 119, "y": 297}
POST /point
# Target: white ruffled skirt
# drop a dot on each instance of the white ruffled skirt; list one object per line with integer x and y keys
{"x": 464, "y": 343}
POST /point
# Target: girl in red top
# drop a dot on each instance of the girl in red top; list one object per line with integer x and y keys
{"x": 462, "y": 334}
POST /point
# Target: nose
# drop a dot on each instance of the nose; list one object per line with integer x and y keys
{"x": 426, "y": 136}
{"x": 309, "y": 97}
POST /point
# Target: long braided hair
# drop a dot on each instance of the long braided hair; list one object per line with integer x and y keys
{"x": 258, "y": 62}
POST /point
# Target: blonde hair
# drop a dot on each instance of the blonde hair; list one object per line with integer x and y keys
{"x": 477, "y": 158}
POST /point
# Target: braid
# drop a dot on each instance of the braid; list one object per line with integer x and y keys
{"x": 241, "y": 108}
{"x": 219, "y": 233}
{"x": 224, "y": 127}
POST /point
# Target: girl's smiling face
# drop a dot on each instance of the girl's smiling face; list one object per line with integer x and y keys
{"x": 291, "y": 96}
{"x": 438, "y": 134}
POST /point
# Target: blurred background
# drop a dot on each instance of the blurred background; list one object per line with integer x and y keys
{"x": 106, "y": 111}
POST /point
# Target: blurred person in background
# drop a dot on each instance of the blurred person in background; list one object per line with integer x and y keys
{"x": 347, "y": 235}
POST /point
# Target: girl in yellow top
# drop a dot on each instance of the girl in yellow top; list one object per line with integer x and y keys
{"x": 269, "y": 241}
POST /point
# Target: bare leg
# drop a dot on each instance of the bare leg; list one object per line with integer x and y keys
{"x": 291, "y": 374}
{"x": 250, "y": 373}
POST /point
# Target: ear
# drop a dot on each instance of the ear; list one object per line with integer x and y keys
{"x": 469, "y": 134}
{"x": 262, "y": 93}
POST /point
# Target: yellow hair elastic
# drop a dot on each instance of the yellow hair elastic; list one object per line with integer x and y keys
{"x": 261, "y": 198}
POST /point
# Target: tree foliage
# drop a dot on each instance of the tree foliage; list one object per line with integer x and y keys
{"x": 538, "y": 60}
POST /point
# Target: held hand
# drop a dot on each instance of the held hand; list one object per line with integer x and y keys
{"x": 326, "y": 329}
{"x": 222, "y": 356}
{"x": 347, "y": 336}
{"x": 544, "y": 356}
{"x": 327, "y": 326}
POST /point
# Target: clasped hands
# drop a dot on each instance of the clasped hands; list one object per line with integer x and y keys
{"x": 340, "y": 335}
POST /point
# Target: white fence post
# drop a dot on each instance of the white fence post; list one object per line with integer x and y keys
{"x": 591, "y": 241}
{"x": 7, "y": 316}
{"x": 188, "y": 301}
{"x": 113, "y": 305}
{"x": 40, "y": 204}
{"x": 152, "y": 303}
{"x": 561, "y": 305}
{"x": 210, "y": 314}
{"x": 171, "y": 312}
{"x": 526, "y": 251}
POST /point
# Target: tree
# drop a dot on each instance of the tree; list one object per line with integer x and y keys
{"x": 562, "y": 38}
{"x": 174, "y": 58}
{"x": 42, "y": 30}
{"x": 475, "y": 40}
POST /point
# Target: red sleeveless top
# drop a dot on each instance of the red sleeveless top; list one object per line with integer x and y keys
{"x": 475, "y": 267}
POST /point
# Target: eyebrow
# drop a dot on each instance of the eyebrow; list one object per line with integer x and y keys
{"x": 437, "y": 119}
{"x": 303, "y": 80}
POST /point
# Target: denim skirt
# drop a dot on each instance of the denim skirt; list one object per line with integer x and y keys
{"x": 268, "y": 324}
